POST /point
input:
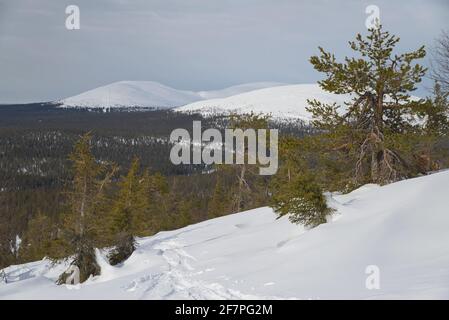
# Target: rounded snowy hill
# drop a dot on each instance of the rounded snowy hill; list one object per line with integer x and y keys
{"x": 287, "y": 101}
{"x": 144, "y": 94}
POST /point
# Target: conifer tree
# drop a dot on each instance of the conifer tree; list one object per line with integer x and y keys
{"x": 41, "y": 239}
{"x": 244, "y": 172}
{"x": 437, "y": 112}
{"x": 379, "y": 82}
{"x": 302, "y": 199}
{"x": 85, "y": 198}
{"x": 428, "y": 144}
{"x": 159, "y": 184}
{"x": 6, "y": 256}
{"x": 184, "y": 215}
{"x": 219, "y": 203}
{"x": 159, "y": 197}
{"x": 295, "y": 189}
{"x": 290, "y": 154}
{"x": 128, "y": 214}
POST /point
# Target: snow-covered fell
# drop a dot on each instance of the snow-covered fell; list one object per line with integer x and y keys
{"x": 238, "y": 89}
{"x": 401, "y": 229}
{"x": 149, "y": 94}
{"x": 287, "y": 101}
{"x": 144, "y": 94}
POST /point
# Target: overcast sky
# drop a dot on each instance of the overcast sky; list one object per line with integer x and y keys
{"x": 187, "y": 44}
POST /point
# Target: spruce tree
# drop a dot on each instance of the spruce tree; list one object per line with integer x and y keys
{"x": 41, "y": 239}
{"x": 379, "y": 83}
{"x": 160, "y": 200}
{"x": 6, "y": 256}
{"x": 128, "y": 214}
{"x": 86, "y": 196}
{"x": 185, "y": 208}
{"x": 219, "y": 203}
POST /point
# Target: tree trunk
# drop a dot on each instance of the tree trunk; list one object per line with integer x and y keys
{"x": 82, "y": 207}
{"x": 377, "y": 153}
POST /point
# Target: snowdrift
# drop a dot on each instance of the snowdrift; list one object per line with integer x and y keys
{"x": 401, "y": 228}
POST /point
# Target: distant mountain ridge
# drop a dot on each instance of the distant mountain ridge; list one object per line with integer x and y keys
{"x": 149, "y": 94}
{"x": 286, "y": 101}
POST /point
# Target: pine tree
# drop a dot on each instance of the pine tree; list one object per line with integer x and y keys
{"x": 85, "y": 198}
{"x": 380, "y": 83}
{"x": 291, "y": 156}
{"x": 295, "y": 189}
{"x": 244, "y": 189}
{"x": 128, "y": 214}
{"x": 302, "y": 199}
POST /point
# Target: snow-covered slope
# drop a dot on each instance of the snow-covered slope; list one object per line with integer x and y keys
{"x": 238, "y": 89}
{"x": 401, "y": 229}
{"x": 149, "y": 94}
{"x": 145, "y": 94}
{"x": 288, "y": 101}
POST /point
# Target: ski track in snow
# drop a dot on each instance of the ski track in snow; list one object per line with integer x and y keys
{"x": 178, "y": 281}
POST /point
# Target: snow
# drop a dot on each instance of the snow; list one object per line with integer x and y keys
{"x": 15, "y": 245}
{"x": 149, "y": 94}
{"x": 230, "y": 91}
{"x": 400, "y": 228}
{"x": 144, "y": 94}
{"x": 285, "y": 102}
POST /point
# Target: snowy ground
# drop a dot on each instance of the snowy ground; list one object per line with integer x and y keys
{"x": 401, "y": 228}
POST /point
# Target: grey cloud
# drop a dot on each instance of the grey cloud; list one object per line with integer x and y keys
{"x": 187, "y": 44}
